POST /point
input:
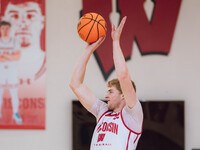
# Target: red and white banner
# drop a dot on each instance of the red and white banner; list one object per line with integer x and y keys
{"x": 22, "y": 105}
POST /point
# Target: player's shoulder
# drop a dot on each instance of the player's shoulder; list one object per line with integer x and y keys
{"x": 135, "y": 113}
{"x": 133, "y": 117}
{"x": 136, "y": 107}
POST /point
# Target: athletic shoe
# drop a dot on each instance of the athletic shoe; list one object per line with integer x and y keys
{"x": 17, "y": 118}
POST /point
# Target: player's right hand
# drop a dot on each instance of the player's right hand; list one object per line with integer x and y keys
{"x": 92, "y": 47}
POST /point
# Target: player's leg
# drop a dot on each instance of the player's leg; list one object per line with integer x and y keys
{"x": 1, "y": 100}
{"x": 15, "y": 104}
{"x": 2, "y": 84}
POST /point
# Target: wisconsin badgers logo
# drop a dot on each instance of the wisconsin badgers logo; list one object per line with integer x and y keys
{"x": 101, "y": 137}
{"x": 152, "y": 37}
{"x": 108, "y": 127}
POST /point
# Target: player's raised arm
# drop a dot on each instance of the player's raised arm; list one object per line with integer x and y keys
{"x": 84, "y": 94}
{"x": 121, "y": 67}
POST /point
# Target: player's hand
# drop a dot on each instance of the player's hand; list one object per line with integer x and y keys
{"x": 116, "y": 33}
{"x": 2, "y": 58}
{"x": 6, "y": 56}
{"x": 92, "y": 47}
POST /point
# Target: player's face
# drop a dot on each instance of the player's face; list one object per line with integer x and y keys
{"x": 5, "y": 30}
{"x": 27, "y": 21}
{"x": 114, "y": 98}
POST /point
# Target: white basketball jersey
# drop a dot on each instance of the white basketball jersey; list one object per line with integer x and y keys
{"x": 9, "y": 68}
{"x": 9, "y": 46}
{"x": 111, "y": 133}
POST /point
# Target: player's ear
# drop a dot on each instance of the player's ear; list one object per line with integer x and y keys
{"x": 42, "y": 19}
{"x": 122, "y": 96}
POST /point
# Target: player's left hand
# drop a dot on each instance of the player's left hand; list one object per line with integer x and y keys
{"x": 2, "y": 58}
{"x": 116, "y": 33}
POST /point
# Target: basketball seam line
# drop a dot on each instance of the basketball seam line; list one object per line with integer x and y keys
{"x": 91, "y": 19}
{"x": 91, "y": 27}
{"x": 97, "y": 22}
{"x": 86, "y": 23}
{"x": 97, "y": 31}
{"x": 84, "y": 26}
{"x": 102, "y": 25}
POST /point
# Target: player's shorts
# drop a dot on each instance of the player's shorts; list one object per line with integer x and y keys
{"x": 8, "y": 75}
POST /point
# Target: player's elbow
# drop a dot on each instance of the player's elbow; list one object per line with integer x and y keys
{"x": 73, "y": 85}
{"x": 124, "y": 74}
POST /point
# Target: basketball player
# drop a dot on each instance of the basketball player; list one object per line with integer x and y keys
{"x": 27, "y": 20}
{"x": 119, "y": 122}
{"x": 9, "y": 58}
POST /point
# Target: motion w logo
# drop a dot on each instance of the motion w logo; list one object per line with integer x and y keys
{"x": 101, "y": 137}
{"x": 153, "y": 33}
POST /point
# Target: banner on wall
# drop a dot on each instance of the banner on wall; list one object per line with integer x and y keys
{"x": 22, "y": 79}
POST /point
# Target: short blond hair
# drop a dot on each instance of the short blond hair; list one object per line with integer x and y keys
{"x": 115, "y": 82}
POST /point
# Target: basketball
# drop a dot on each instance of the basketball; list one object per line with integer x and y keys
{"x": 91, "y": 27}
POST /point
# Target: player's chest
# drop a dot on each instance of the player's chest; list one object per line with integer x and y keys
{"x": 7, "y": 47}
{"x": 111, "y": 125}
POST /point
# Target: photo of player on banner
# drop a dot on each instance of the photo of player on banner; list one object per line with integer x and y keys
{"x": 22, "y": 64}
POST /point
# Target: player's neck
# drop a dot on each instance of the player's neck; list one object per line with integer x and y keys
{"x": 5, "y": 38}
{"x": 116, "y": 110}
{"x": 32, "y": 47}
{"x": 119, "y": 108}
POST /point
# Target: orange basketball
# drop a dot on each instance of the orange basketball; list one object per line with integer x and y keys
{"x": 91, "y": 27}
